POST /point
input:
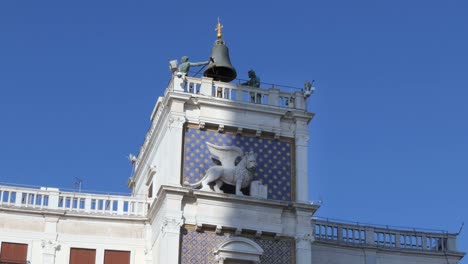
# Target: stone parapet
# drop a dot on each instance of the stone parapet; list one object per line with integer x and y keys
{"x": 53, "y": 199}
{"x": 377, "y": 237}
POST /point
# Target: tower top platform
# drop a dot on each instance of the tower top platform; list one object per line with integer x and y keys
{"x": 273, "y": 96}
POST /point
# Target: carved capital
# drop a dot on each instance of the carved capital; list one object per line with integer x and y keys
{"x": 171, "y": 225}
{"x": 304, "y": 241}
{"x": 175, "y": 121}
{"x": 50, "y": 246}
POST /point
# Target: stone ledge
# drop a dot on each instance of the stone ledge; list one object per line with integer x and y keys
{"x": 52, "y": 212}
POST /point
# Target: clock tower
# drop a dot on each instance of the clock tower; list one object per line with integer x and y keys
{"x": 226, "y": 168}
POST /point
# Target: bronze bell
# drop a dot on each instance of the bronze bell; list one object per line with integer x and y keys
{"x": 221, "y": 69}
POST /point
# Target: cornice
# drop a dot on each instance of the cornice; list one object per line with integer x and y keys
{"x": 77, "y": 215}
{"x": 223, "y": 197}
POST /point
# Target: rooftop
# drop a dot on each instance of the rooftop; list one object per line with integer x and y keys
{"x": 54, "y": 201}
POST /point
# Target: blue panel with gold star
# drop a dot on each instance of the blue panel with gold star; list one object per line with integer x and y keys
{"x": 274, "y": 159}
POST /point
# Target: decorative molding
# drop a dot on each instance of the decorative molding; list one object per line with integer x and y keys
{"x": 151, "y": 172}
{"x": 258, "y": 133}
{"x": 156, "y": 119}
{"x": 277, "y": 136}
{"x": 201, "y": 125}
{"x": 238, "y": 248}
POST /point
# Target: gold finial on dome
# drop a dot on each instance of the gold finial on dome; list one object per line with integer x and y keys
{"x": 218, "y": 28}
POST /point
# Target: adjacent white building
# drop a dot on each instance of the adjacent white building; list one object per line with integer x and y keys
{"x": 235, "y": 134}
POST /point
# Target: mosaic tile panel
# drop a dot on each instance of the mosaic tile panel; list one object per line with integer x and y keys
{"x": 198, "y": 248}
{"x": 274, "y": 159}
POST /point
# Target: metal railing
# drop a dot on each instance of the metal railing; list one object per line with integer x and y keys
{"x": 54, "y": 199}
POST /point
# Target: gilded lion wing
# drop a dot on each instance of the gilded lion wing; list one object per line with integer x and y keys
{"x": 226, "y": 154}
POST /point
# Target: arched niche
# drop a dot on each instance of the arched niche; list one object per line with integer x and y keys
{"x": 238, "y": 250}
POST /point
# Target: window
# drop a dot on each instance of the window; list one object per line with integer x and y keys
{"x": 150, "y": 191}
{"x": 82, "y": 256}
{"x": 13, "y": 253}
{"x": 116, "y": 257}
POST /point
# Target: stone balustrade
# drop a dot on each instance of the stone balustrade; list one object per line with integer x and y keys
{"x": 373, "y": 236}
{"x": 53, "y": 199}
{"x": 236, "y": 92}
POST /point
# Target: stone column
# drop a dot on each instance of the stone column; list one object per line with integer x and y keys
{"x": 49, "y": 244}
{"x": 148, "y": 249}
{"x": 303, "y": 250}
{"x": 173, "y": 145}
{"x": 170, "y": 240}
{"x": 48, "y": 251}
{"x": 170, "y": 229}
{"x": 304, "y": 237}
{"x": 302, "y": 181}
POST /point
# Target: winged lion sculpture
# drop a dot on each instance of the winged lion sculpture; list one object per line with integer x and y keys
{"x": 240, "y": 175}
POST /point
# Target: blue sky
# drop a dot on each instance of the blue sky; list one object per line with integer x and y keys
{"x": 389, "y": 143}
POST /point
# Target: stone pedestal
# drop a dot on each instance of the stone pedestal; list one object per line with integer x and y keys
{"x": 206, "y": 87}
{"x": 179, "y": 82}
